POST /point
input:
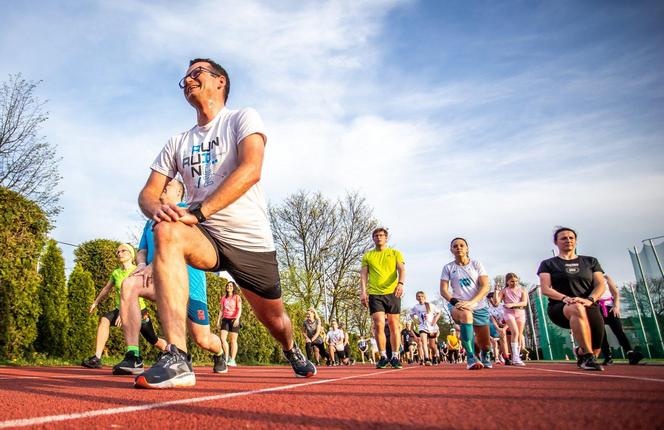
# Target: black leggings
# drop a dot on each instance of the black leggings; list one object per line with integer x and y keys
{"x": 617, "y": 329}
{"x": 309, "y": 347}
{"x": 453, "y": 355}
{"x": 595, "y": 321}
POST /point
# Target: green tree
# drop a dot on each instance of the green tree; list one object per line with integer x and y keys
{"x": 52, "y": 324}
{"x": 82, "y": 325}
{"x": 23, "y": 228}
{"x": 320, "y": 244}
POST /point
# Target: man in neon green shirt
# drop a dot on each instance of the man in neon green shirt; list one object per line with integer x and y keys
{"x": 381, "y": 280}
{"x": 125, "y": 255}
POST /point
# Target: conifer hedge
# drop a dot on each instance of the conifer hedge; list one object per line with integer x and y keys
{"x": 52, "y": 325}
{"x": 23, "y": 229}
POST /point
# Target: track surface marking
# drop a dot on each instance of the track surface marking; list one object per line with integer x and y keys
{"x": 541, "y": 395}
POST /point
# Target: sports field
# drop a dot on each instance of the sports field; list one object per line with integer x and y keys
{"x": 547, "y": 395}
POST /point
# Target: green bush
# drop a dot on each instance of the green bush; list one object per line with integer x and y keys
{"x": 23, "y": 228}
{"x": 82, "y": 325}
{"x": 52, "y": 324}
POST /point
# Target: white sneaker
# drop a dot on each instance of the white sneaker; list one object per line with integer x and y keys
{"x": 518, "y": 363}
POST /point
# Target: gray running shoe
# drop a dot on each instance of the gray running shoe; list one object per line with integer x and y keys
{"x": 219, "y": 364}
{"x": 131, "y": 365}
{"x": 485, "y": 358}
{"x": 589, "y": 363}
{"x": 92, "y": 362}
{"x": 302, "y": 367}
{"x": 172, "y": 370}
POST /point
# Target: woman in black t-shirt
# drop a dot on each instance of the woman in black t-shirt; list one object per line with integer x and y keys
{"x": 573, "y": 283}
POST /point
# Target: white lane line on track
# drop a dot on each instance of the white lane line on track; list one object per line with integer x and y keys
{"x": 13, "y": 377}
{"x": 129, "y": 409}
{"x": 591, "y": 373}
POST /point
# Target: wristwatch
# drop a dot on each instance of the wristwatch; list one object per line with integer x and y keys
{"x": 195, "y": 209}
{"x": 592, "y": 299}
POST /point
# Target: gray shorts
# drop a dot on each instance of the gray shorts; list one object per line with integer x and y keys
{"x": 257, "y": 272}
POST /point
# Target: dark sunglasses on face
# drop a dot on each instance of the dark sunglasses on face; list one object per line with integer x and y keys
{"x": 194, "y": 74}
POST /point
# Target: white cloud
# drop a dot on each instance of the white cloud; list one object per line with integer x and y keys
{"x": 499, "y": 159}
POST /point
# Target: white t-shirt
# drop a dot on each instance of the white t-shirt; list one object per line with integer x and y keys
{"x": 336, "y": 338}
{"x": 498, "y": 312}
{"x": 606, "y": 295}
{"x": 425, "y": 319}
{"x": 204, "y": 157}
{"x": 464, "y": 280}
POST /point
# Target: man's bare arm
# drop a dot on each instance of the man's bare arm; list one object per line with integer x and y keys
{"x": 148, "y": 199}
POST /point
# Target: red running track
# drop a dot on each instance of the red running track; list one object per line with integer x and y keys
{"x": 360, "y": 397}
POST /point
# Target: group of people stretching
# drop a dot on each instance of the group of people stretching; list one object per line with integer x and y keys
{"x": 225, "y": 226}
{"x": 491, "y": 324}
{"x": 132, "y": 283}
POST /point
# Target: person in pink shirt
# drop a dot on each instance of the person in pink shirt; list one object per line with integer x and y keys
{"x": 230, "y": 307}
{"x": 515, "y": 298}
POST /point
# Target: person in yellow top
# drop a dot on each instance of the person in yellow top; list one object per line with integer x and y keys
{"x": 381, "y": 281}
{"x": 125, "y": 255}
{"x": 453, "y": 346}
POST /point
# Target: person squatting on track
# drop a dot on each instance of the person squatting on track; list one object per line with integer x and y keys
{"x": 573, "y": 283}
{"x": 408, "y": 342}
{"x": 139, "y": 284}
{"x": 336, "y": 342}
{"x": 427, "y": 315}
{"x": 225, "y": 227}
{"x": 497, "y": 317}
{"x": 312, "y": 329}
{"x": 609, "y": 304}
{"x": 467, "y": 302}
{"x": 382, "y": 280}
{"x": 125, "y": 255}
{"x": 453, "y": 347}
{"x": 363, "y": 347}
{"x": 230, "y": 306}
{"x": 515, "y": 299}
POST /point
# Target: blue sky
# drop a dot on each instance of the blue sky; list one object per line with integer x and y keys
{"x": 495, "y": 121}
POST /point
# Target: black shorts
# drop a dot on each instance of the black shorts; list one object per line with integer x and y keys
{"x": 147, "y": 330}
{"x": 429, "y": 335}
{"x": 227, "y": 324}
{"x": 595, "y": 321}
{"x": 388, "y": 303}
{"x": 257, "y": 272}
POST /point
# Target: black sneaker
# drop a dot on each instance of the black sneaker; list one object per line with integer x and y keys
{"x": 131, "y": 365}
{"x": 92, "y": 362}
{"x": 219, "y": 364}
{"x": 382, "y": 363}
{"x": 589, "y": 363}
{"x": 395, "y": 363}
{"x": 172, "y": 370}
{"x": 608, "y": 361}
{"x": 579, "y": 354}
{"x": 634, "y": 357}
{"x": 302, "y": 367}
